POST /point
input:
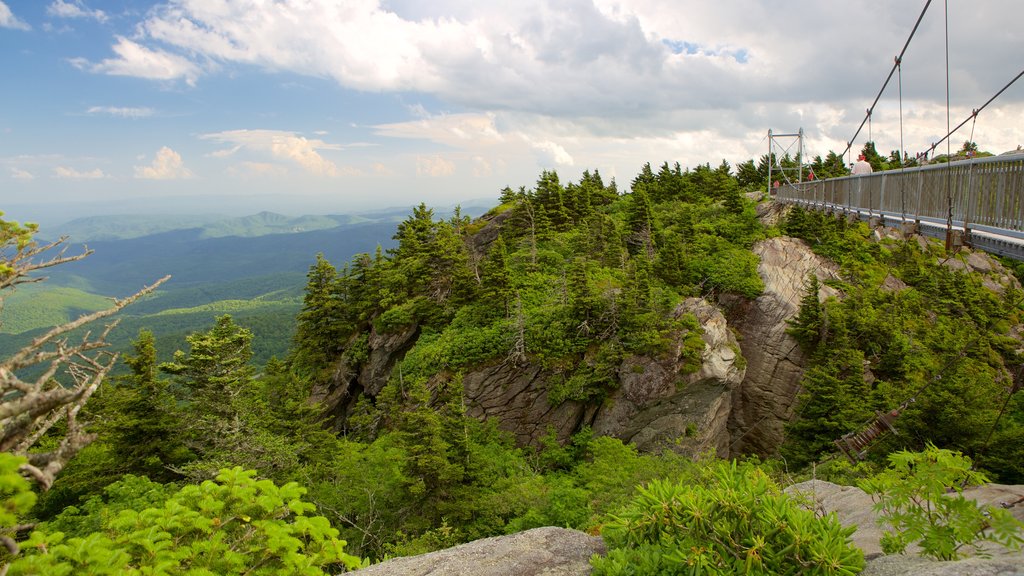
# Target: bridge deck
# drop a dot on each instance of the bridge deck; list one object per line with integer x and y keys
{"x": 985, "y": 197}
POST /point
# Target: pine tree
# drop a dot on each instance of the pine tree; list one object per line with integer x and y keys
{"x": 640, "y": 224}
{"x": 319, "y": 329}
{"x": 143, "y": 432}
{"x": 807, "y": 326}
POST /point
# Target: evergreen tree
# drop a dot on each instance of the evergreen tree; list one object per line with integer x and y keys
{"x": 143, "y": 433}
{"x": 807, "y": 326}
{"x": 640, "y": 223}
{"x": 320, "y": 328}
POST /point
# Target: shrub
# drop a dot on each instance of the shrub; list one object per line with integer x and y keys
{"x": 921, "y": 497}
{"x": 237, "y": 525}
{"x": 735, "y": 522}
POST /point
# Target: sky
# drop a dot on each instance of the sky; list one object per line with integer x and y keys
{"x": 340, "y": 106}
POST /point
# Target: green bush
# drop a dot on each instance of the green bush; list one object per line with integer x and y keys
{"x": 237, "y": 525}
{"x": 920, "y": 496}
{"x": 736, "y": 521}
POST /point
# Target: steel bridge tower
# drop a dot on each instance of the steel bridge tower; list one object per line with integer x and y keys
{"x": 785, "y": 143}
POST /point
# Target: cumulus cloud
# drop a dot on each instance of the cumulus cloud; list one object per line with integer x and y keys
{"x": 67, "y": 173}
{"x": 121, "y": 111}
{"x": 280, "y": 144}
{"x": 134, "y": 59}
{"x": 550, "y": 154}
{"x": 434, "y": 166}
{"x": 19, "y": 174}
{"x": 75, "y": 9}
{"x": 9, "y": 20}
{"x": 166, "y": 165}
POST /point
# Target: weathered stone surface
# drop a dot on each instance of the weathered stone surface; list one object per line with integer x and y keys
{"x": 765, "y": 400}
{"x": 538, "y": 552}
{"x": 917, "y": 566}
{"x": 517, "y": 397}
{"x": 853, "y": 507}
{"x": 386, "y": 350}
{"x": 340, "y": 393}
{"x": 656, "y": 405}
{"x": 771, "y": 213}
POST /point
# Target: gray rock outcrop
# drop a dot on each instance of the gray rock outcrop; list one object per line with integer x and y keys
{"x": 765, "y": 400}
{"x": 853, "y": 507}
{"x": 517, "y": 398}
{"x": 538, "y": 552}
{"x": 657, "y": 405}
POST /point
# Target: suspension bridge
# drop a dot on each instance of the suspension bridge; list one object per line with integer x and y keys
{"x": 978, "y": 202}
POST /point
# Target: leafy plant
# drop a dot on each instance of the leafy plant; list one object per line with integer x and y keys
{"x": 921, "y": 497}
{"x": 735, "y": 522}
{"x": 236, "y": 525}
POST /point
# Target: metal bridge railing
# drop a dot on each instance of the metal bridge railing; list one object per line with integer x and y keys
{"x": 987, "y": 194}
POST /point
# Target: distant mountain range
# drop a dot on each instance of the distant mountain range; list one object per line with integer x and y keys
{"x": 252, "y": 267}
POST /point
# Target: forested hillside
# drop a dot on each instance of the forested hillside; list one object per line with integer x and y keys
{"x": 396, "y": 419}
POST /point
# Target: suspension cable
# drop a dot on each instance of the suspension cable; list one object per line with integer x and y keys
{"x": 949, "y": 175}
{"x": 887, "y": 79}
{"x": 903, "y": 165}
{"x": 974, "y": 113}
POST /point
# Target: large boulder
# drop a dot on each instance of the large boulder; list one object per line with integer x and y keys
{"x": 538, "y": 552}
{"x": 765, "y": 400}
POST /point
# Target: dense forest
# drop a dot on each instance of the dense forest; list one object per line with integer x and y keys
{"x": 209, "y": 461}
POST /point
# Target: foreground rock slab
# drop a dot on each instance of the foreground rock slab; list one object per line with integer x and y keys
{"x": 854, "y": 508}
{"x": 538, "y": 552}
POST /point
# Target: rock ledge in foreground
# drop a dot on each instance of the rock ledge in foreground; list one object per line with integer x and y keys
{"x": 538, "y": 552}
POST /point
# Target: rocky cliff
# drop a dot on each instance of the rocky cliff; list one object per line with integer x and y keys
{"x": 764, "y": 401}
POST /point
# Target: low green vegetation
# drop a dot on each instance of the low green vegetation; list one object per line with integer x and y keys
{"x": 920, "y": 497}
{"x": 729, "y": 519}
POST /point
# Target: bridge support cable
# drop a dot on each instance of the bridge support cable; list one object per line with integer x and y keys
{"x": 974, "y": 114}
{"x": 899, "y": 58}
{"x": 903, "y": 164}
{"x": 949, "y": 175}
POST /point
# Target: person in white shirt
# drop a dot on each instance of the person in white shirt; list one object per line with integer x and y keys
{"x": 861, "y": 167}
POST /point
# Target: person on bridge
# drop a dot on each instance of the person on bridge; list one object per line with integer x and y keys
{"x": 861, "y": 167}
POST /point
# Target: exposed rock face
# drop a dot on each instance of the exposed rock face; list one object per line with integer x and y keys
{"x": 538, "y": 552}
{"x": 854, "y": 508}
{"x": 765, "y": 400}
{"x": 656, "y": 405}
{"x": 340, "y": 393}
{"x": 517, "y": 396}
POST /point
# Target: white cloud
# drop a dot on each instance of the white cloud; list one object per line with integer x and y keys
{"x": 19, "y": 174}
{"x": 121, "y": 111}
{"x": 434, "y": 166}
{"x": 551, "y": 154}
{"x": 583, "y": 83}
{"x": 9, "y": 20}
{"x": 75, "y": 9}
{"x": 167, "y": 165}
{"x": 67, "y": 173}
{"x": 134, "y": 59}
{"x": 280, "y": 144}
